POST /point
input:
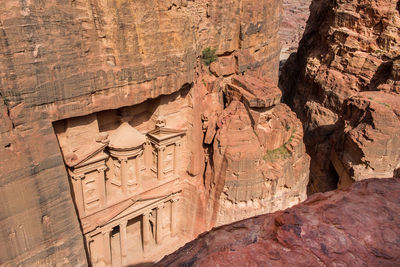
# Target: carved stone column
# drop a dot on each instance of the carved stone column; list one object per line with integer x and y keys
{"x": 160, "y": 163}
{"x": 107, "y": 247}
{"x": 78, "y": 192}
{"x": 146, "y": 231}
{"x": 102, "y": 187}
{"x": 176, "y": 152}
{"x": 124, "y": 242}
{"x": 137, "y": 171}
{"x": 124, "y": 175}
{"x": 174, "y": 215}
{"x": 147, "y": 154}
{"x": 89, "y": 241}
{"x": 159, "y": 224}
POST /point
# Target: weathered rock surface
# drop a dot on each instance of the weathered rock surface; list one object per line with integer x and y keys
{"x": 65, "y": 59}
{"x": 368, "y": 138}
{"x": 258, "y": 161}
{"x": 353, "y": 227}
{"x": 347, "y": 48}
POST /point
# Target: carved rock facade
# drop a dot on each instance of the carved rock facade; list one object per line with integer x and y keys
{"x": 125, "y": 183}
{"x": 110, "y": 117}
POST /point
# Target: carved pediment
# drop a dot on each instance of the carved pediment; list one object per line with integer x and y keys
{"x": 134, "y": 207}
{"x": 85, "y": 155}
{"x": 161, "y": 134}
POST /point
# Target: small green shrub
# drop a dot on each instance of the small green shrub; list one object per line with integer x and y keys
{"x": 384, "y": 104}
{"x": 280, "y": 153}
{"x": 209, "y": 56}
{"x": 277, "y": 154}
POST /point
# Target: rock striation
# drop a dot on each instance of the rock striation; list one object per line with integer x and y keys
{"x": 356, "y": 227}
{"x": 348, "y": 48}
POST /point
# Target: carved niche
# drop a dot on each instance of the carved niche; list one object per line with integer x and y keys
{"x": 86, "y": 167}
{"x": 165, "y": 149}
{"x": 126, "y": 150}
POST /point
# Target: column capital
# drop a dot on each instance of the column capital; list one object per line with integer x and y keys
{"x": 159, "y": 207}
{"x": 77, "y": 177}
{"x": 106, "y": 231}
{"x": 174, "y": 199}
{"x": 101, "y": 169}
{"x": 121, "y": 159}
{"x": 146, "y": 213}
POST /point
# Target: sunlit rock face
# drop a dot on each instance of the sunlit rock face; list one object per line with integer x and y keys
{"x": 109, "y": 120}
{"x": 348, "y": 49}
{"x": 258, "y": 161}
{"x": 368, "y": 138}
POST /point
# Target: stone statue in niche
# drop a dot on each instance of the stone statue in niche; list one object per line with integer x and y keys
{"x": 116, "y": 179}
{"x": 160, "y": 122}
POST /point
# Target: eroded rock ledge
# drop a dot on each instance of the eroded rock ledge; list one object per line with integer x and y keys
{"x": 352, "y": 227}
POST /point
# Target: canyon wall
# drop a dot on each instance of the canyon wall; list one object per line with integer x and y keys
{"x": 72, "y": 72}
{"x": 343, "y": 83}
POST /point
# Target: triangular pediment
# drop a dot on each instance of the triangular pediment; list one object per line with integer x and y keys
{"x": 85, "y": 154}
{"x": 114, "y": 213}
{"x": 161, "y": 133}
{"x": 137, "y": 207}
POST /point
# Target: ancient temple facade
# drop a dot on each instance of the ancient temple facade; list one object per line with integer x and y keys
{"x": 126, "y": 186}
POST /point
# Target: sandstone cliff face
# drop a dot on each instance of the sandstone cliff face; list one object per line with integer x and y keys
{"x": 258, "y": 161}
{"x": 348, "y": 47}
{"x": 66, "y": 59}
{"x": 368, "y": 138}
{"x": 354, "y": 227}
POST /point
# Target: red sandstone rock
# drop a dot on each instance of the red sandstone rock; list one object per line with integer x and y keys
{"x": 355, "y": 227}
{"x": 258, "y": 162}
{"x": 347, "y": 48}
{"x": 368, "y": 139}
{"x": 224, "y": 66}
{"x": 255, "y": 93}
